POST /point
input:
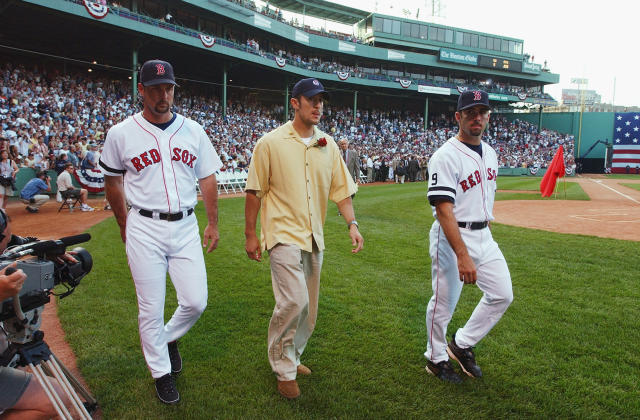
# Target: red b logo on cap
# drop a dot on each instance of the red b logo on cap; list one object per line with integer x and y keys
{"x": 477, "y": 95}
{"x": 159, "y": 69}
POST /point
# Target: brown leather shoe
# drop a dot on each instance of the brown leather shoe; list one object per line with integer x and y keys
{"x": 289, "y": 389}
{"x": 303, "y": 370}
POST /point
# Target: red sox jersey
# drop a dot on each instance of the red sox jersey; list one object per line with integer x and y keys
{"x": 159, "y": 166}
{"x": 468, "y": 179}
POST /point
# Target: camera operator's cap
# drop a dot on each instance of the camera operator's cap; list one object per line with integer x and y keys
{"x": 308, "y": 88}
{"x": 155, "y": 72}
{"x": 471, "y": 98}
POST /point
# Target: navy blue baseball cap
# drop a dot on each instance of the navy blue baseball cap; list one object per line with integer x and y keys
{"x": 155, "y": 72}
{"x": 308, "y": 88}
{"x": 471, "y": 98}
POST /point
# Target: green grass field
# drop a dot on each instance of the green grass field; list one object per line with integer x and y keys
{"x": 572, "y": 190}
{"x": 566, "y": 348}
{"x": 634, "y": 186}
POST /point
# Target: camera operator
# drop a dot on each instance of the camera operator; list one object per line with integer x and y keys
{"x": 30, "y": 193}
{"x": 20, "y": 396}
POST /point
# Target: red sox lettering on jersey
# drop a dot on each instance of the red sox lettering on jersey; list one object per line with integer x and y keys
{"x": 466, "y": 177}
{"x": 152, "y": 156}
{"x": 146, "y": 154}
{"x": 475, "y": 179}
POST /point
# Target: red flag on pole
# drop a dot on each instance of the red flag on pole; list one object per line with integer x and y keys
{"x": 555, "y": 171}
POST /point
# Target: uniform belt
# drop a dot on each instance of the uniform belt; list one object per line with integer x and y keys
{"x": 473, "y": 225}
{"x": 170, "y": 217}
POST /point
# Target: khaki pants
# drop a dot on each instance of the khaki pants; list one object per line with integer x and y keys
{"x": 295, "y": 277}
{"x": 39, "y": 200}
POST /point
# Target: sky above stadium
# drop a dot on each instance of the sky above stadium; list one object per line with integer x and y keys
{"x": 579, "y": 39}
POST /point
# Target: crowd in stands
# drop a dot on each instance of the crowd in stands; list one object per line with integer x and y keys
{"x": 252, "y": 43}
{"x": 48, "y": 119}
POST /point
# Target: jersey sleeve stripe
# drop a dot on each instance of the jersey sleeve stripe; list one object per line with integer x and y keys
{"x": 451, "y": 190}
{"x": 115, "y": 171}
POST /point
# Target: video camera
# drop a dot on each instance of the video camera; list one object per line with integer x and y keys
{"x": 44, "y": 271}
{"x": 23, "y": 344}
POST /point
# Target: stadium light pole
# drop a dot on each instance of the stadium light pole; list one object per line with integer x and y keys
{"x": 286, "y": 100}
{"x": 426, "y": 112}
{"x": 134, "y": 75}
{"x": 582, "y": 86}
{"x": 355, "y": 105}
{"x": 224, "y": 90}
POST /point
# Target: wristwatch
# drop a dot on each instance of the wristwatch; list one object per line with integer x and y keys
{"x": 353, "y": 222}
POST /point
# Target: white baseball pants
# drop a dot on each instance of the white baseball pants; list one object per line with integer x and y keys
{"x": 153, "y": 247}
{"x": 493, "y": 279}
{"x": 295, "y": 277}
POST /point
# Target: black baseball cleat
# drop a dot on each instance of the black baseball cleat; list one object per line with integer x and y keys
{"x": 174, "y": 356}
{"x": 465, "y": 358}
{"x": 166, "y": 389}
{"x": 443, "y": 371}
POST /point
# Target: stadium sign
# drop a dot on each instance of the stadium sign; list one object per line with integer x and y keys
{"x": 433, "y": 89}
{"x": 302, "y": 37}
{"x": 496, "y": 97}
{"x": 261, "y": 21}
{"x": 542, "y": 101}
{"x": 461, "y": 57}
{"x": 346, "y": 46}
{"x": 531, "y": 68}
{"x": 395, "y": 55}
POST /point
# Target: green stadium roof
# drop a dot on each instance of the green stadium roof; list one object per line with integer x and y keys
{"x": 322, "y": 9}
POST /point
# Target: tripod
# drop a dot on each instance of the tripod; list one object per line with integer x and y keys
{"x": 37, "y": 356}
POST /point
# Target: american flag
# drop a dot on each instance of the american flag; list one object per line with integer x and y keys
{"x": 626, "y": 142}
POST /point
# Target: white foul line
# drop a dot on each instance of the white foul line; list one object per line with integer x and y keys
{"x": 599, "y": 182}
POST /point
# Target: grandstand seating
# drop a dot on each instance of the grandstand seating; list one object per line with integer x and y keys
{"x": 63, "y": 108}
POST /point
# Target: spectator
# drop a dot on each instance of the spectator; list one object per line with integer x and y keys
{"x": 8, "y": 171}
{"x": 89, "y": 161}
{"x": 72, "y": 156}
{"x": 66, "y": 189}
{"x": 31, "y": 192}
{"x": 61, "y": 163}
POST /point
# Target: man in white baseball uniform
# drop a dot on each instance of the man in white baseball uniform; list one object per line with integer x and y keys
{"x": 154, "y": 158}
{"x": 461, "y": 192}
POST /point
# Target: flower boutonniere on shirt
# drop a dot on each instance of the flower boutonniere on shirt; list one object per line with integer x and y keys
{"x": 321, "y": 142}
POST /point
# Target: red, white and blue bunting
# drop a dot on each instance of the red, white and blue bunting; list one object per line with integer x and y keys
{"x": 568, "y": 170}
{"x": 91, "y": 180}
{"x": 522, "y": 96}
{"x": 96, "y": 10}
{"x": 461, "y": 89}
{"x": 343, "y": 75}
{"x": 281, "y": 62}
{"x": 207, "y": 40}
{"x": 533, "y": 170}
{"x": 404, "y": 83}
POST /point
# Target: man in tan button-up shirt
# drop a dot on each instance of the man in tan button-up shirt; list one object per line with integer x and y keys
{"x": 295, "y": 169}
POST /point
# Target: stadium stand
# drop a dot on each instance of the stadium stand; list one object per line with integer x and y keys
{"x": 70, "y": 110}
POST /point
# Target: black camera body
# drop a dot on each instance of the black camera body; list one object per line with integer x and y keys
{"x": 44, "y": 271}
